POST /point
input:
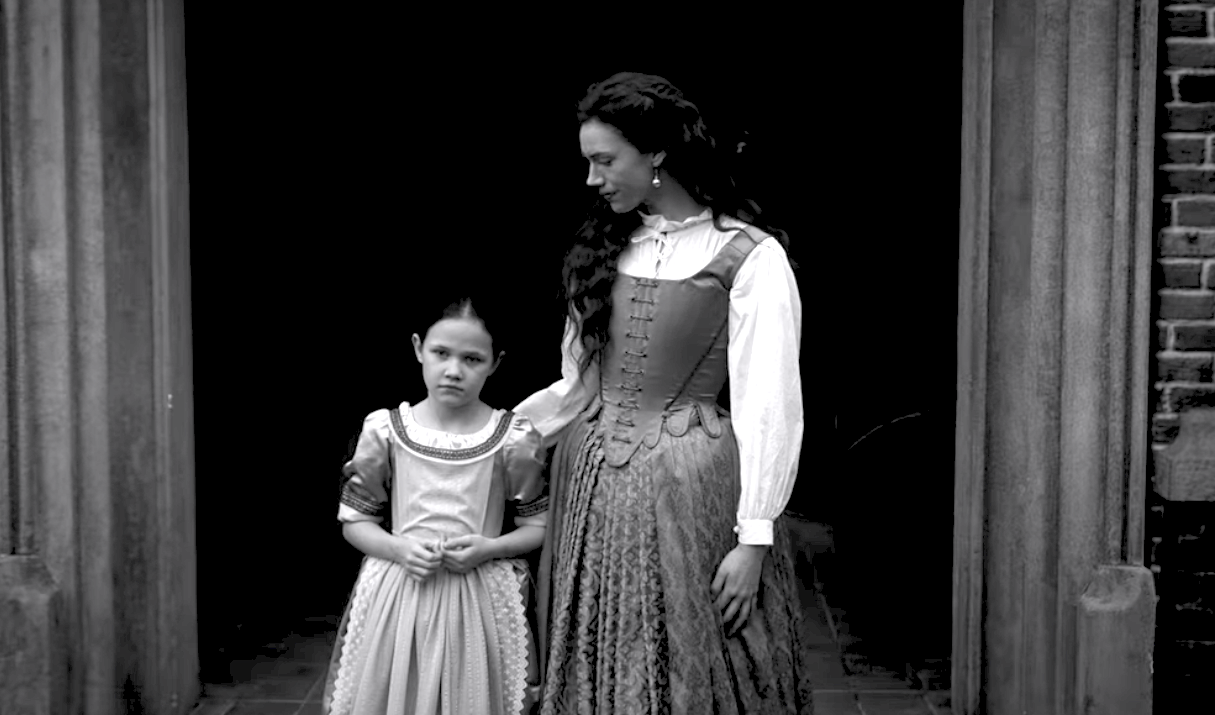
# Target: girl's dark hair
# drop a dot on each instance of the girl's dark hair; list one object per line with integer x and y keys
{"x": 652, "y": 115}
{"x": 467, "y": 306}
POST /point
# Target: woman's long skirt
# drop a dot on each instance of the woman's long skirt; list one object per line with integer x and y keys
{"x": 625, "y": 589}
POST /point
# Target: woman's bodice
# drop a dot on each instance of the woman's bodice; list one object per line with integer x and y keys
{"x": 665, "y": 363}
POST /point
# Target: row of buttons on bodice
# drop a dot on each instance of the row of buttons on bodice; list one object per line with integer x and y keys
{"x": 632, "y": 360}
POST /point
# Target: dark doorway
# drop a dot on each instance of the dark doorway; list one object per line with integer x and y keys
{"x": 334, "y": 182}
{"x": 892, "y": 161}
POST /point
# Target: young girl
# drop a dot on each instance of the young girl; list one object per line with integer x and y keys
{"x": 437, "y": 622}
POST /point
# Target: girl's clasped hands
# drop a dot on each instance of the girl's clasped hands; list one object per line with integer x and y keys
{"x": 460, "y": 554}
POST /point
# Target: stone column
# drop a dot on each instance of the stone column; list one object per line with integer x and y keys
{"x": 97, "y": 590}
{"x": 1054, "y": 611}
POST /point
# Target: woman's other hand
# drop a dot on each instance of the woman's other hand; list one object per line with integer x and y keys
{"x": 736, "y": 585}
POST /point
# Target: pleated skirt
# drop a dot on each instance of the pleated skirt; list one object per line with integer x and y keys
{"x": 625, "y": 587}
{"x": 451, "y": 645}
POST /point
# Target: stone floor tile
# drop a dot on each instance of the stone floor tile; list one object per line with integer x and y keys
{"x": 264, "y": 707}
{"x": 826, "y": 672}
{"x": 835, "y": 702}
{"x": 245, "y": 669}
{"x": 318, "y": 688}
{"x": 893, "y": 704}
{"x": 267, "y": 687}
{"x": 291, "y": 668}
{"x": 878, "y": 680}
{"x": 315, "y": 648}
{"x": 938, "y": 702}
{"x": 213, "y": 706}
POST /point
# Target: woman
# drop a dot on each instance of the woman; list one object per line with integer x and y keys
{"x": 666, "y": 579}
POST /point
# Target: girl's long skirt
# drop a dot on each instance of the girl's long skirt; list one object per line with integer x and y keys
{"x": 626, "y": 587}
{"x": 451, "y": 645}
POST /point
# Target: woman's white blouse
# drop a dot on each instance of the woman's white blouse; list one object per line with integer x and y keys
{"x": 764, "y": 342}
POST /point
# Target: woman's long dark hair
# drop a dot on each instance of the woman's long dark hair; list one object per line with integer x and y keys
{"x": 652, "y": 115}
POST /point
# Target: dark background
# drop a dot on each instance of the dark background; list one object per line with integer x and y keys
{"x": 339, "y": 171}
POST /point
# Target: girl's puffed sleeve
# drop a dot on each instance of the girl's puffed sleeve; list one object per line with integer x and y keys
{"x": 367, "y": 476}
{"x": 523, "y": 460}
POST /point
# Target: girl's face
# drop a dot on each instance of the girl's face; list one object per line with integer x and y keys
{"x": 622, "y": 174}
{"x": 457, "y": 356}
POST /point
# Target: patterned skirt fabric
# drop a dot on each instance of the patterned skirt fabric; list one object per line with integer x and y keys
{"x": 632, "y": 625}
{"x": 451, "y": 645}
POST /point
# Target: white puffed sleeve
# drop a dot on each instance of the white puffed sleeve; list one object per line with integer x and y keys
{"x": 552, "y": 409}
{"x": 765, "y": 387}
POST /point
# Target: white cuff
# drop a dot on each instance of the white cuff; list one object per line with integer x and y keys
{"x": 756, "y": 532}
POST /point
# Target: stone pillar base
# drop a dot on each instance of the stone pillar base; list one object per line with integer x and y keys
{"x": 1115, "y": 633}
{"x": 33, "y": 653}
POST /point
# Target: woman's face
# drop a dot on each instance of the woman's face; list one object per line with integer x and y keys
{"x": 622, "y": 174}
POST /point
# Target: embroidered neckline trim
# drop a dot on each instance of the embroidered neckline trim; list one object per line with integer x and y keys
{"x": 499, "y": 433}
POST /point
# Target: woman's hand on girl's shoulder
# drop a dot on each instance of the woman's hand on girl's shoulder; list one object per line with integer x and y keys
{"x": 419, "y": 559}
{"x": 464, "y": 553}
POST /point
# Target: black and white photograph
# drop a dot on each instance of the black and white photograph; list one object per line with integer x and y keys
{"x": 846, "y": 359}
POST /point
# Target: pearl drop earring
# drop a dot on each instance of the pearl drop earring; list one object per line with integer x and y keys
{"x": 656, "y": 182}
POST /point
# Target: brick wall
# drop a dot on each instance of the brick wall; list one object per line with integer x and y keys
{"x": 1181, "y": 535}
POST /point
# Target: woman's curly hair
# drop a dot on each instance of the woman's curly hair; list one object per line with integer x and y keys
{"x": 653, "y": 116}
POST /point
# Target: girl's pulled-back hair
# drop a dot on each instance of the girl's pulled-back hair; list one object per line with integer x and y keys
{"x": 468, "y": 306}
{"x": 653, "y": 116}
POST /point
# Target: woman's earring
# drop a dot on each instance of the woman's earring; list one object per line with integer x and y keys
{"x": 656, "y": 181}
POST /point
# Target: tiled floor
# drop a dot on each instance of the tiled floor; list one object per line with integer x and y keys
{"x": 288, "y": 677}
{"x": 843, "y": 683}
{"x": 842, "y": 688}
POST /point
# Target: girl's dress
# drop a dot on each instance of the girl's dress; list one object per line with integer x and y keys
{"x": 455, "y": 643}
{"x": 653, "y": 484}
